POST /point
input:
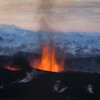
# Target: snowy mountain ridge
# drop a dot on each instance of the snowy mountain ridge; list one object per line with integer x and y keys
{"x": 76, "y": 44}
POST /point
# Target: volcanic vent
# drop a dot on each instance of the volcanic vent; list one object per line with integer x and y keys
{"x": 49, "y": 61}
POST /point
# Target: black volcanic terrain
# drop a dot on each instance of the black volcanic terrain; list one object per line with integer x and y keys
{"x": 33, "y": 84}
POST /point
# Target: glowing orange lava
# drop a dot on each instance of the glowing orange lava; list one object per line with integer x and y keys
{"x": 11, "y": 68}
{"x": 48, "y": 61}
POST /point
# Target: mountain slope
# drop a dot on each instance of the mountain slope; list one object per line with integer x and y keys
{"x": 52, "y": 86}
{"x": 75, "y": 44}
{"x": 14, "y": 39}
{"x": 79, "y": 44}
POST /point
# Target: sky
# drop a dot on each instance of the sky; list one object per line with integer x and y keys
{"x": 52, "y": 15}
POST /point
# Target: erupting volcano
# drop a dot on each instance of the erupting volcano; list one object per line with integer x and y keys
{"x": 48, "y": 60}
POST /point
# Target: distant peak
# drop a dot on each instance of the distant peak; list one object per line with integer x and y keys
{"x": 8, "y": 26}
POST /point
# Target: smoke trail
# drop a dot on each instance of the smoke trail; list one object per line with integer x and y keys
{"x": 45, "y": 8}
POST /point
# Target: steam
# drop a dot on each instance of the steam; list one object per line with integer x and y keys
{"x": 45, "y": 7}
{"x": 45, "y": 35}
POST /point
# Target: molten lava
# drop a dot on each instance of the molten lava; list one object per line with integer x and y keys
{"x": 48, "y": 61}
{"x": 11, "y": 68}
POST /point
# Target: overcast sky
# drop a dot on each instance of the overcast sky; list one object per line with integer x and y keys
{"x": 52, "y": 15}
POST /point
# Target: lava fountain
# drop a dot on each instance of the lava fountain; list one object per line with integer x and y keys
{"x": 48, "y": 60}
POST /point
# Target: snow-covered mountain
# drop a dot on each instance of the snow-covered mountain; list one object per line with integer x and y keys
{"x": 76, "y": 44}
{"x": 14, "y": 39}
{"x": 79, "y": 44}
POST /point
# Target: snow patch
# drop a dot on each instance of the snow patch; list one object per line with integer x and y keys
{"x": 56, "y": 86}
{"x": 29, "y": 77}
{"x": 63, "y": 89}
{"x": 90, "y": 89}
{"x": 59, "y": 88}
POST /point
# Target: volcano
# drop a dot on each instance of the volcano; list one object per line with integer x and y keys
{"x": 34, "y": 84}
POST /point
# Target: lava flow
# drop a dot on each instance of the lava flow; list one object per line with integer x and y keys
{"x": 11, "y": 68}
{"x": 48, "y": 61}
